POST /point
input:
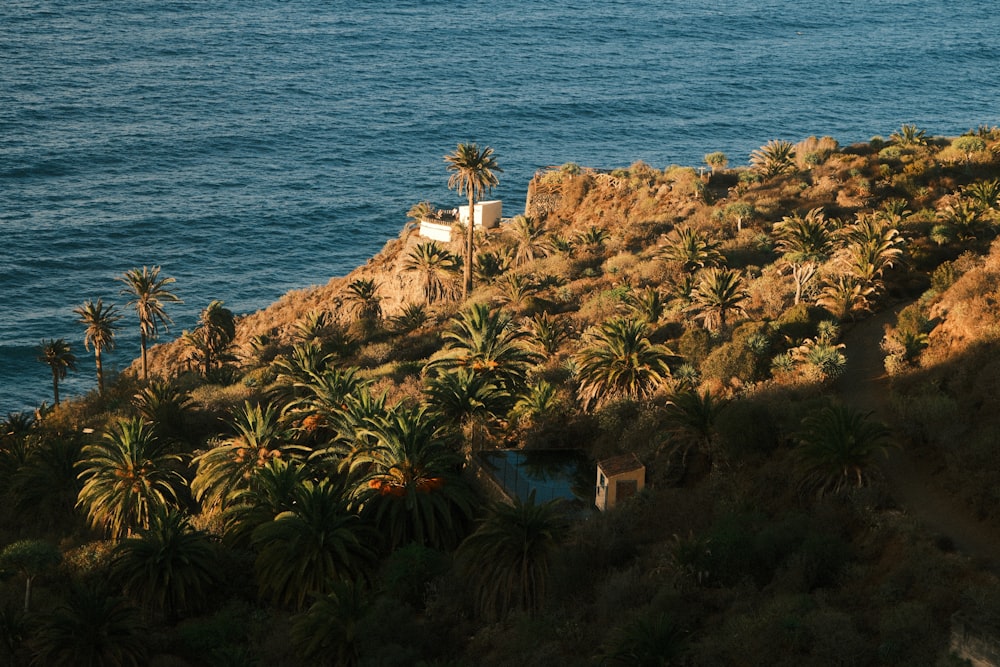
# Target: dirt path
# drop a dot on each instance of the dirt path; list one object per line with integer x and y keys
{"x": 864, "y": 385}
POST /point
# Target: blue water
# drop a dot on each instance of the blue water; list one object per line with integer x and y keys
{"x": 254, "y": 146}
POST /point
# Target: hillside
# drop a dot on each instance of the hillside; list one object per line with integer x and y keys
{"x": 759, "y": 337}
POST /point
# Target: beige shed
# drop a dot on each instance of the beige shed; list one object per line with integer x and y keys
{"x": 618, "y": 478}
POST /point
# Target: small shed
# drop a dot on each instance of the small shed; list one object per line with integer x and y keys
{"x": 618, "y": 478}
{"x": 488, "y": 213}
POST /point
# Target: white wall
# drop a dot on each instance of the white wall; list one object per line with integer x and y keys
{"x": 436, "y": 231}
{"x": 487, "y": 213}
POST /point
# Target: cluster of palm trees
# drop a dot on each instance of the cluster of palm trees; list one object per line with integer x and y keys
{"x": 148, "y": 294}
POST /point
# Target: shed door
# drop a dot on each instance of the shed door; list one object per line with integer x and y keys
{"x": 625, "y": 488}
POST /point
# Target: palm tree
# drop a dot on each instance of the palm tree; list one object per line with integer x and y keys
{"x": 305, "y": 551}
{"x": 909, "y": 135}
{"x": 507, "y": 558}
{"x": 837, "y": 448}
{"x": 984, "y": 194}
{"x": 169, "y": 566}
{"x": 845, "y": 295}
{"x": 719, "y": 294}
{"x": 529, "y": 239}
{"x": 410, "y": 317}
{"x": 228, "y": 468}
{"x": 270, "y": 492}
{"x": 127, "y": 478}
{"x": 166, "y": 407}
{"x": 410, "y": 484}
{"x": 692, "y": 249}
{"x": 547, "y": 333}
{"x": 148, "y": 293}
{"x": 516, "y": 289}
{"x": 620, "y": 362}
{"x": 93, "y": 628}
{"x": 487, "y": 343}
{"x": 45, "y": 485}
{"x": 363, "y": 296}
{"x": 873, "y": 247}
{"x": 473, "y": 173}
{"x": 60, "y": 358}
{"x": 647, "y": 304}
{"x": 436, "y": 266}
{"x": 467, "y": 398}
{"x": 491, "y": 264}
{"x": 691, "y": 419}
{"x": 806, "y": 241}
{"x": 213, "y": 337}
{"x": 774, "y": 158}
{"x": 328, "y": 633}
{"x": 102, "y": 323}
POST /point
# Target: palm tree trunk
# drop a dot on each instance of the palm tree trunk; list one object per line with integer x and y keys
{"x": 55, "y": 385}
{"x": 469, "y": 243}
{"x": 27, "y": 593}
{"x": 142, "y": 344}
{"x": 100, "y": 371}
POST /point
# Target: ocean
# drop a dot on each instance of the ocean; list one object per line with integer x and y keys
{"x": 250, "y": 147}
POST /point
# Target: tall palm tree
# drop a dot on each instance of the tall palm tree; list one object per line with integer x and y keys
{"x": 837, "y": 448}
{"x": 507, "y": 558}
{"x": 619, "y": 361}
{"x": 305, "y": 551}
{"x": 102, "y": 323}
{"x": 436, "y": 266}
{"x": 409, "y": 482}
{"x": 169, "y": 566}
{"x": 148, "y": 293}
{"x": 93, "y": 628}
{"x": 806, "y": 241}
{"x": 719, "y": 294}
{"x": 60, "y": 358}
{"x": 127, "y": 477}
{"x": 473, "y": 173}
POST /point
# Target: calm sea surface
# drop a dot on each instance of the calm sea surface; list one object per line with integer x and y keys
{"x": 254, "y": 146}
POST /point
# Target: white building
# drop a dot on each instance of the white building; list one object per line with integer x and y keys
{"x": 487, "y": 215}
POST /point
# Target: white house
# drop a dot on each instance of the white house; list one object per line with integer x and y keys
{"x": 487, "y": 214}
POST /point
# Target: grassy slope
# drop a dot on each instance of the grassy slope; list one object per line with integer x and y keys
{"x": 735, "y": 566}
